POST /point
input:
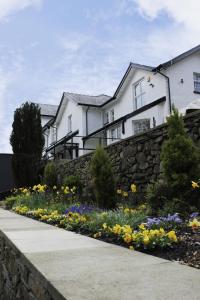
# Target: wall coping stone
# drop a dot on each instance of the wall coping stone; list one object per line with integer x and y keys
{"x": 71, "y": 266}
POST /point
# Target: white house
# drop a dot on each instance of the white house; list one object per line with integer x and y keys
{"x": 142, "y": 100}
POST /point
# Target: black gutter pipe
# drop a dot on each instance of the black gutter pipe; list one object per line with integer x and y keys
{"x": 157, "y": 70}
{"x": 86, "y": 123}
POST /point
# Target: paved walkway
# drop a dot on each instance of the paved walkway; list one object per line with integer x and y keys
{"x": 84, "y": 268}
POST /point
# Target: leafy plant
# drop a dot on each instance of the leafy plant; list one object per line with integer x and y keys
{"x": 73, "y": 181}
{"x": 50, "y": 174}
{"x": 103, "y": 179}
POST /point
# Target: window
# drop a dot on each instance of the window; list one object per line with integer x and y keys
{"x": 112, "y": 115}
{"x": 115, "y": 133}
{"x": 196, "y": 77}
{"x": 140, "y": 126}
{"x": 106, "y": 118}
{"x": 70, "y": 123}
{"x": 138, "y": 90}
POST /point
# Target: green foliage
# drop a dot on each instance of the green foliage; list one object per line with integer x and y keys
{"x": 27, "y": 142}
{"x": 71, "y": 181}
{"x": 180, "y": 165}
{"x": 180, "y": 157}
{"x": 10, "y": 201}
{"x": 50, "y": 174}
{"x": 157, "y": 195}
{"x": 103, "y": 179}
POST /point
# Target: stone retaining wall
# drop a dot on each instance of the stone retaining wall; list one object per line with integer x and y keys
{"x": 19, "y": 280}
{"x": 135, "y": 159}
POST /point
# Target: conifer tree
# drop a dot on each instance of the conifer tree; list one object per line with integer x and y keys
{"x": 103, "y": 179}
{"x": 179, "y": 157}
{"x": 27, "y": 143}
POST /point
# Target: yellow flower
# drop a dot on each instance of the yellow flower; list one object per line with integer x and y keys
{"x": 146, "y": 240}
{"x": 131, "y": 248}
{"x": 194, "y": 224}
{"x": 142, "y": 226}
{"x": 195, "y": 185}
{"x": 104, "y": 226}
{"x": 54, "y": 187}
{"x": 66, "y": 190}
{"x": 96, "y": 235}
{"x": 126, "y": 210}
{"x": 125, "y": 194}
{"x": 119, "y": 191}
{"x": 133, "y": 188}
{"x": 172, "y": 235}
{"x": 117, "y": 229}
{"x": 127, "y": 238}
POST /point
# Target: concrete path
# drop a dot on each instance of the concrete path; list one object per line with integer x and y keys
{"x": 84, "y": 268}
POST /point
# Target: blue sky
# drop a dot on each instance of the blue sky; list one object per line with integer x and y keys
{"x": 51, "y": 46}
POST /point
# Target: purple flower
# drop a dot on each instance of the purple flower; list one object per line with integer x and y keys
{"x": 80, "y": 209}
{"x": 194, "y": 215}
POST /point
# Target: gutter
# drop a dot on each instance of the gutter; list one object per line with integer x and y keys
{"x": 157, "y": 70}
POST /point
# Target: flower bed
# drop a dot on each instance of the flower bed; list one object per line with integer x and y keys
{"x": 167, "y": 237}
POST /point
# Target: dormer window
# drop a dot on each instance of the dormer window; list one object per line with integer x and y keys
{"x": 138, "y": 91}
{"x": 196, "y": 77}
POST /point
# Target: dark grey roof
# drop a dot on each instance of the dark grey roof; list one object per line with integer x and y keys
{"x": 181, "y": 56}
{"x": 87, "y": 99}
{"x": 143, "y": 67}
{"x": 48, "y": 109}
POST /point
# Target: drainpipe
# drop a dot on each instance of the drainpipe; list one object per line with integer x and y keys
{"x": 86, "y": 123}
{"x": 157, "y": 70}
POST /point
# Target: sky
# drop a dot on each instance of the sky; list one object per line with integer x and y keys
{"x": 51, "y": 46}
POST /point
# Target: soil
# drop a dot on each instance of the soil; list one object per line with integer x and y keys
{"x": 186, "y": 251}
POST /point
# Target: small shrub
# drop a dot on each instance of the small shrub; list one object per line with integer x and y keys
{"x": 103, "y": 179}
{"x": 157, "y": 195}
{"x": 71, "y": 181}
{"x": 10, "y": 201}
{"x": 50, "y": 174}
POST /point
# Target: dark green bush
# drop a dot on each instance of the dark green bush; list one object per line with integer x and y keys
{"x": 50, "y": 174}
{"x": 157, "y": 195}
{"x": 102, "y": 179}
{"x": 180, "y": 166}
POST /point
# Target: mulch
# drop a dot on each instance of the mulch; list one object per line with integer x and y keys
{"x": 186, "y": 251}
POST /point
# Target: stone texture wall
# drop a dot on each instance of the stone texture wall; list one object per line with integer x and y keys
{"x": 19, "y": 280}
{"x": 135, "y": 159}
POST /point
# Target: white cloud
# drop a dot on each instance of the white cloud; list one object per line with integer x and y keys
{"x": 181, "y": 11}
{"x": 8, "y": 7}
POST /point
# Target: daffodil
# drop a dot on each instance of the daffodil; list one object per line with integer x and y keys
{"x": 133, "y": 188}
{"x": 194, "y": 224}
{"x": 195, "y": 185}
{"x": 119, "y": 191}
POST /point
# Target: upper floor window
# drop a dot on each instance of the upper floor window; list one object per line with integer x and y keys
{"x": 112, "y": 115}
{"x": 106, "y": 117}
{"x": 196, "y": 77}
{"x": 138, "y": 90}
{"x": 115, "y": 133}
{"x": 140, "y": 126}
{"x": 69, "y": 123}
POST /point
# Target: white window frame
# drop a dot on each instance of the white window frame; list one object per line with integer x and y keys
{"x": 139, "y": 98}
{"x": 141, "y": 128}
{"x": 115, "y": 133}
{"x": 69, "y": 121}
{"x": 112, "y": 115}
{"x": 106, "y": 117}
{"x": 196, "y": 79}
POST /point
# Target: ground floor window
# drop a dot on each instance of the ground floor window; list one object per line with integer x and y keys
{"x": 115, "y": 133}
{"x": 140, "y": 126}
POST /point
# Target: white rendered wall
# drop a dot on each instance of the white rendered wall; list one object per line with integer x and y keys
{"x": 125, "y": 103}
{"x": 183, "y": 93}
